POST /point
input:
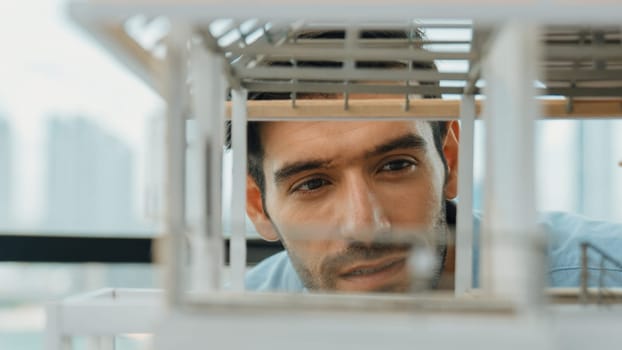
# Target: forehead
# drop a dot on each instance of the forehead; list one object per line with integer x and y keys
{"x": 292, "y": 139}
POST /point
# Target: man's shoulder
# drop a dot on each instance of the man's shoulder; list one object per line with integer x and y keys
{"x": 566, "y": 233}
{"x": 274, "y": 274}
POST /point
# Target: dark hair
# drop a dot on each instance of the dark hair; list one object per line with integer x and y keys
{"x": 254, "y": 146}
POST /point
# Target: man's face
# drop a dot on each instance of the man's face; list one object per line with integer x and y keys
{"x": 335, "y": 193}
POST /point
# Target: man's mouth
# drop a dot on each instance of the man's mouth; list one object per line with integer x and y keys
{"x": 371, "y": 269}
{"x": 373, "y": 275}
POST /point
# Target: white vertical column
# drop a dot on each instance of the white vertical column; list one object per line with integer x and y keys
{"x": 55, "y": 339}
{"x": 511, "y": 267}
{"x": 464, "y": 219}
{"x": 100, "y": 343}
{"x": 237, "y": 251}
{"x": 107, "y": 342}
{"x": 175, "y": 165}
{"x": 209, "y": 90}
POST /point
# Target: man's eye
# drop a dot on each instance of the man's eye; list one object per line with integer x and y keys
{"x": 397, "y": 165}
{"x": 311, "y": 185}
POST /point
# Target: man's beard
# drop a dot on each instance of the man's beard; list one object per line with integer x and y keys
{"x": 357, "y": 251}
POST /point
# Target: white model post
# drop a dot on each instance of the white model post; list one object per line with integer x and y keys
{"x": 175, "y": 165}
{"x": 510, "y": 266}
{"x": 55, "y": 337}
{"x": 208, "y": 101}
{"x": 237, "y": 252}
{"x": 101, "y": 343}
{"x": 464, "y": 216}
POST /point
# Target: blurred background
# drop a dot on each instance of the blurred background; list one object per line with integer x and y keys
{"x": 78, "y": 141}
{"x": 73, "y": 143}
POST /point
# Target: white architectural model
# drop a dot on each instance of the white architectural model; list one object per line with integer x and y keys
{"x": 511, "y": 48}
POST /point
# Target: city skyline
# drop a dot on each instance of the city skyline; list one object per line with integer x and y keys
{"x": 89, "y": 182}
{"x": 5, "y": 173}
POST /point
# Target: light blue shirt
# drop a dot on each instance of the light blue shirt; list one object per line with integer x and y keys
{"x": 565, "y": 233}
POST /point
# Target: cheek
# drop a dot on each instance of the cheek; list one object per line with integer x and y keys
{"x": 305, "y": 231}
{"x": 308, "y": 252}
{"x": 415, "y": 203}
{"x": 308, "y": 216}
{"x": 310, "y": 238}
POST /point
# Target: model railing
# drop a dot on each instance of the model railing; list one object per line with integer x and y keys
{"x": 603, "y": 294}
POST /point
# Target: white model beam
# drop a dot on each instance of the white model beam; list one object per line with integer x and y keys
{"x": 174, "y": 172}
{"x": 464, "y": 219}
{"x": 345, "y": 74}
{"x": 338, "y": 52}
{"x": 428, "y": 109}
{"x": 238, "y": 196}
{"x": 337, "y": 88}
{"x": 208, "y": 99}
{"x": 112, "y": 35}
{"x": 190, "y": 11}
{"x": 509, "y": 264}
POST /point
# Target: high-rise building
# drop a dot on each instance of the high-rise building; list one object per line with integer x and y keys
{"x": 5, "y": 174}
{"x": 89, "y": 179}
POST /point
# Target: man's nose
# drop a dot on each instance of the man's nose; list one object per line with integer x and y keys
{"x": 364, "y": 217}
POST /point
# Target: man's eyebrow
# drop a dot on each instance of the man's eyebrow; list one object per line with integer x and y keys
{"x": 409, "y": 141}
{"x": 294, "y": 168}
{"x": 401, "y": 142}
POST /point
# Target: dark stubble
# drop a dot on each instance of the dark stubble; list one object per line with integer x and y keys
{"x": 359, "y": 252}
